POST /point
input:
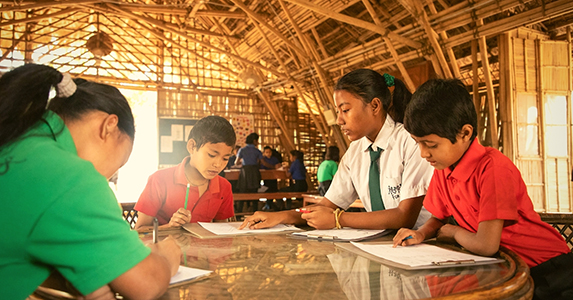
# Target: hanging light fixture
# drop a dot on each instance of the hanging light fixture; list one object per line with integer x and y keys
{"x": 250, "y": 78}
{"x": 100, "y": 43}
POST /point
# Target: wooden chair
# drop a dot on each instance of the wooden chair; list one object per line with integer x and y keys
{"x": 129, "y": 214}
{"x": 563, "y": 223}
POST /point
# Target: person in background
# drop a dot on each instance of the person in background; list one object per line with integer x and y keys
{"x": 297, "y": 173}
{"x": 270, "y": 162}
{"x": 327, "y": 169}
{"x": 382, "y": 166}
{"x": 192, "y": 191}
{"x": 55, "y": 158}
{"x": 249, "y": 159}
{"x": 482, "y": 189}
{"x": 231, "y": 165}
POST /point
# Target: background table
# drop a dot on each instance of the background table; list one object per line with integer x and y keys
{"x": 281, "y": 267}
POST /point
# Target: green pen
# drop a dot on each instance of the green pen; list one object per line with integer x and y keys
{"x": 187, "y": 195}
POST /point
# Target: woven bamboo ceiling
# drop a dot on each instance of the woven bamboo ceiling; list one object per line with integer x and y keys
{"x": 221, "y": 44}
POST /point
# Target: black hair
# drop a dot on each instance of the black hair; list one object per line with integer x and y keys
{"x": 368, "y": 84}
{"x": 24, "y": 94}
{"x": 251, "y": 138}
{"x": 213, "y": 129}
{"x": 268, "y": 147}
{"x": 441, "y": 107}
{"x": 332, "y": 153}
{"x": 298, "y": 154}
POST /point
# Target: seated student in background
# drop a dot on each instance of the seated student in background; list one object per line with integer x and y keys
{"x": 249, "y": 159}
{"x": 59, "y": 213}
{"x": 381, "y": 149}
{"x": 270, "y": 162}
{"x": 482, "y": 189}
{"x": 327, "y": 169}
{"x": 297, "y": 173}
{"x": 192, "y": 191}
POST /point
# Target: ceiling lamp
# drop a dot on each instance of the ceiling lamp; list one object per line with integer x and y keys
{"x": 250, "y": 78}
{"x": 100, "y": 44}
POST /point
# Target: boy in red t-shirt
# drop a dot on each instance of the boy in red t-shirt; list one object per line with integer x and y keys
{"x": 192, "y": 191}
{"x": 482, "y": 189}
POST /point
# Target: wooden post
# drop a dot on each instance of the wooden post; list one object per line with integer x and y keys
{"x": 475, "y": 89}
{"x": 449, "y": 51}
{"x": 276, "y": 116}
{"x": 397, "y": 61}
{"x": 490, "y": 94}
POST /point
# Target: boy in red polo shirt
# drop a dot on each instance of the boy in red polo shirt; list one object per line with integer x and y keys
{"x": 192, "y": 191}
{"x": 482, "y": 189}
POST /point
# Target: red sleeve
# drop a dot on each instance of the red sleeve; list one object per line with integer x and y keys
{"x": 153, "y": 196}
{"x": 435, "y": 197}
{"x": 226, "y": 210}
{"x": 498, "y": 192}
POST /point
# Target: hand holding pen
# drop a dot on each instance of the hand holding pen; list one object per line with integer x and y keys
{"x": 406, "y": 237}
{"x": 261, "y": 220}
{"x": 180, "y": 218}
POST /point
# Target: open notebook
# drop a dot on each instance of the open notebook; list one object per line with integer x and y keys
{"x": 345, "y": 234}
{"x": 224, "y": 229}
{"x": 417, "y": 257}
{"x": 185, "y": 274}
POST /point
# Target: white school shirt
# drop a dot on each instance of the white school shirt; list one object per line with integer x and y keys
{"x": 404, "y": 174}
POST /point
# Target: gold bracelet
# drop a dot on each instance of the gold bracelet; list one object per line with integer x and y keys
{"x": 335, "y": 212}
{"x": 338, "y": 219}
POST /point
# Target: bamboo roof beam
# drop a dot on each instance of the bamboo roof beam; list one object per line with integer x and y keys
{"x": 532, "y": 16}
{"x": 46, "y": 4}
{"x": 40, "y": 17}
{"x": 140, "y": 34}
{"x": 356, "y": 22}
{"x": 475, "y": 86}
{"x": 318, "y": 124}
{"x": 259, "y": 19}
{"x": 430, "y": 35}
{"x": 492, "y": 112}
{"x": 136, "y": 17}
{"x": 319, "y": 42}
{"x": 444, "y": 36}
{"x": 399, "y": 64}
{"x": 271, "y": 107}
{"x": 193, "y": 86}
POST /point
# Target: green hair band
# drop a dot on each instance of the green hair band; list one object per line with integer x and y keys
{"x": 389, "y": 79}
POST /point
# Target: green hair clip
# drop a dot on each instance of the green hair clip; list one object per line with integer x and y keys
{"x": 389, "y": 79}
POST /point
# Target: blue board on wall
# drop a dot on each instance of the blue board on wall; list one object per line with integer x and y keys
{"x": 172, "y": 140}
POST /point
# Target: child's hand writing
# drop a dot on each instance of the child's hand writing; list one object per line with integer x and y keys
{"x": 260, "y": 220}
{"x": 319, "y": 217}
{"x": 406, "y": 237}
{"x": 180, "y": 218}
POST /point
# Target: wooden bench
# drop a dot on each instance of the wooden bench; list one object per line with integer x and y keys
{"x": 563, "y": 222}
{"x": 313, "y": 199}
{"x": 233, "y": 174}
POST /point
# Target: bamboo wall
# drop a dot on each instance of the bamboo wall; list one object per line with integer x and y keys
{"x": 537, "y": 94}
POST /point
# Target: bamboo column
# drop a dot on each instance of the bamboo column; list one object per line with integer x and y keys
{"x": 444, "y": 36}
{"x": 399, "y": 64}
{"x": 490, "y": 94}
{"x": 476, "y": 96}
{"x": 276, "y": 116}
{"x": 430, "y": 35}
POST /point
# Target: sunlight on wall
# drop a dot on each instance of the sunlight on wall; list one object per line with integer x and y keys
{"x": 143, "y": 160}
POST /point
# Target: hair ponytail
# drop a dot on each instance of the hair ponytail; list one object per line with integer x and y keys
{"x": 24, "y": 94}
{"x": 368, "y": 84}
{"x": 400, "y": 99}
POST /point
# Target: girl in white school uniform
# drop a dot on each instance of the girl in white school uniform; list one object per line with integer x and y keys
{"x": 391, "y": 186}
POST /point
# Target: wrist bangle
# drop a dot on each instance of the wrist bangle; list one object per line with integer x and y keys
{"x": 338, "y": 225}
{"x": 335, "y": 212}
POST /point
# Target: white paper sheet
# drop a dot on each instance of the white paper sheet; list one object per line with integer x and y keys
{"x": 166, "y": 144}
{"x": 231, "y": 228}
{"x": 186, "y": 273}
{"x": 344, "y": 234}
{"x": 177, "y": 132}
{"x": 420, "y": 254}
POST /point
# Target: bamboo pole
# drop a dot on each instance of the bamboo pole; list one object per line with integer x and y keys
{"x": 490, "y": 94}
{"x": 255, "y": 16}
{"x": 356, "y": 22}
{"x": 444, "y": 36}
{"x": 540, "y": 104}
{"x": 40, "y": 17}
{"x": 276, "y": 116}
{"x": 186, "y": 36}
{"x": 475, "y": 89}
{"x": 319, "y": 42}
{"x": 430, "y": 35}
{"x": 399, "y": 64}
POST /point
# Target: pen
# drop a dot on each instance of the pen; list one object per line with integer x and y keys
{"x": 453, "y": 262}
{"x": 155, "y": 230}
{"x": 302, "y": 210}
{"x": 407, "y": 238}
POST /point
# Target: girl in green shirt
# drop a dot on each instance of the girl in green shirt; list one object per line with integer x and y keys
{"x": 327, "y": 169}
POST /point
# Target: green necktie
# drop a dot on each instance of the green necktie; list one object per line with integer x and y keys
{"x": 374, "y": 180}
